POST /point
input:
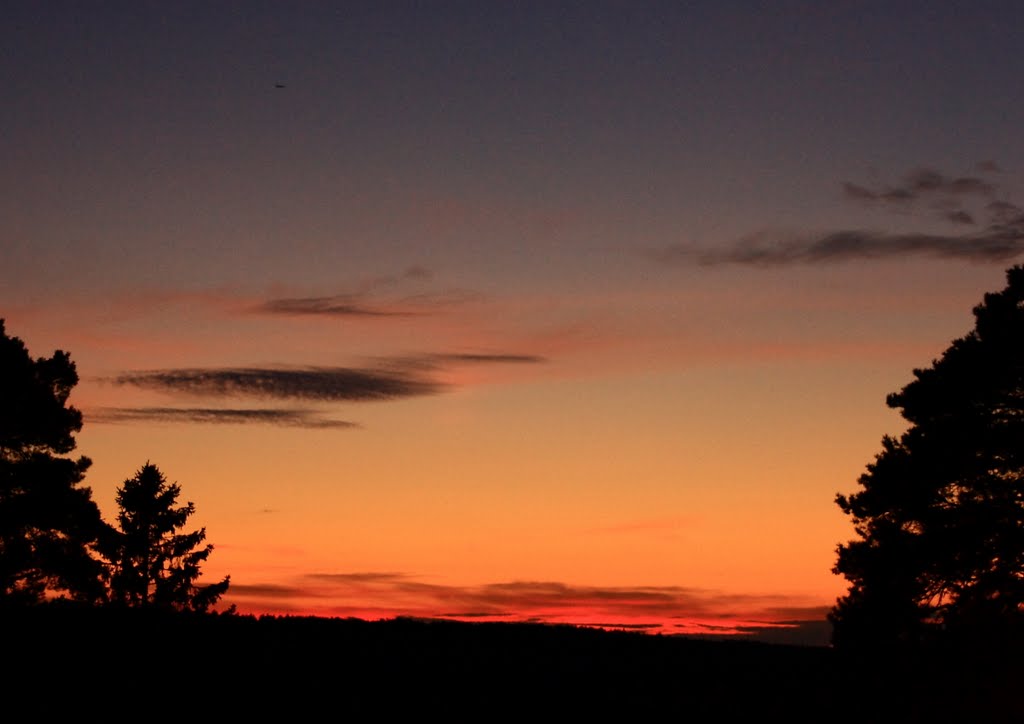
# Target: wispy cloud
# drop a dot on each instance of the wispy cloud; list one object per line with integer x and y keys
{"x": 365, "y": 305}
{"x": 963, "y": 201}
{"x": 377, "y": 297}
{"x": 288, "y": 418}
{"x": 997, "y": 244}
{"x": 922, "y": 183}
{"x": 342, "y": 305}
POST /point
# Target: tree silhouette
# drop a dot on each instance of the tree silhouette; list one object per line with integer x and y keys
{"x": 48, "y": 522}
{"x": 940, "y": 517}
{"x": 153, "y": 564}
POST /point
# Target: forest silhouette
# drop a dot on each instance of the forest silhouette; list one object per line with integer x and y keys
{"x": 930, "y": 629}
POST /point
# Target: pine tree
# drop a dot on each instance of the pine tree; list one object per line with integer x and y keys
{"x": 49, "y": 523}
{"x": 152, "y": 563}
{"x": 940, "y": 517}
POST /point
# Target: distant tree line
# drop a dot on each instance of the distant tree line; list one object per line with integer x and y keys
{"x": 53, "y": 541}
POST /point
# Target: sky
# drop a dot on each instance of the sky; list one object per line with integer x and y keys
{"x": 568, "y": 312}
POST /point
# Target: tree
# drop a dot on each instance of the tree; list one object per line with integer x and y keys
{"x": 152, "y": 564}
{"x": 48, "y": 522}
{"x": 940, "y": 516}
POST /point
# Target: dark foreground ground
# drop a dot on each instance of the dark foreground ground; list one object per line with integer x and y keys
{"x": 129, "y": 666}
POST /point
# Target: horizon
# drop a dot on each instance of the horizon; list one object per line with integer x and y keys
{"x": 557, "y": 313}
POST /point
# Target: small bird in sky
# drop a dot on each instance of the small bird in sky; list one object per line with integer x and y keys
{"x": 279, "y": 85}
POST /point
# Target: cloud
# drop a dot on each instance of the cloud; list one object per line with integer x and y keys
{"x": 997, "y": 244}
{"x": 324, "y": 384}
{"x": 919, "y": 183}
{"x": 959, "y": 217}
{"x": 376, "y": 297}
{"x": 388, "y": 378}
{"x": 963, "y": 201}
{"x": 363, "y": 305}
{"x": 391, "y": 378}
{"x": 343, "y": 305}
{"x": 1004, "y": 212}
{"x": 289, "y": 418}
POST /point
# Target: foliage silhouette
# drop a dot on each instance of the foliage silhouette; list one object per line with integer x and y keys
{"x": 49, "y": 524}
{"x": 940, "y": 516}
{"x": 152, "y": 564}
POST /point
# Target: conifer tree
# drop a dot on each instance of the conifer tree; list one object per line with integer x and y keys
{"x": 152, "y": 563}
{"x": 49, "y": 523}
{"x": 940, "y": 513}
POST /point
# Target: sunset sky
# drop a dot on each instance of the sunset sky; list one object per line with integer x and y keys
{"x": 574, "y": 312}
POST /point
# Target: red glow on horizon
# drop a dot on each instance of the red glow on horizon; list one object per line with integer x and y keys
{"x": 652, "y": 610}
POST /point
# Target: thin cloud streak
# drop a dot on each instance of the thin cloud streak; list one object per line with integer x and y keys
{"x": 324, "y": 384}
{"x": 996, "y": 245}
{"x": 204, "y": 415}
{"x": 922, "y": 182}
{"x": 362, "y": 305}
{"x": 336, "y": 306}
{"x": 488, "y": 358}
{"x": 392, "y": 378}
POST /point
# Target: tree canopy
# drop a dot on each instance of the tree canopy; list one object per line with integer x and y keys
{"x": 940, "y": 513}
{"x": 48, "y": 521}
{"x": 152, "y": 563}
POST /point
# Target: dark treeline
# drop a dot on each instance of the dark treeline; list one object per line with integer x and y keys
{"x": 238, "y": 664}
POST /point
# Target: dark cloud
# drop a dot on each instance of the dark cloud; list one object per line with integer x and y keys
{"x": 385, "y": 379}
{"x": 344, "y": 305}
{"x": 391, "y": 378}
{"x": 919, "y": 183}
{"x": 959, "y": 217}
{"x": 1004, "y": 212}
{"x": 325, "y": 384}
{"x": 1000, "y": 238}
{"x": 996, "y": 245}
{"x": 418, "y": 272}
{"x": 946, "y": 195}
{"x": 858, "y": 192}
{"x": 289, "y": 418}
{"x": 368, "y": 302}
{"x": 926, "y": 180}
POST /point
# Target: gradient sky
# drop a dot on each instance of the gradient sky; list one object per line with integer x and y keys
{"x": 574, "y": 312}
